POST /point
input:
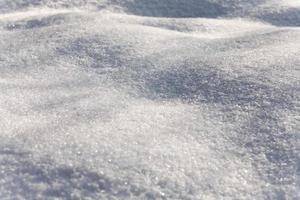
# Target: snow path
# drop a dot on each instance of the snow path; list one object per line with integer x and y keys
{"x": 152, "y": 99}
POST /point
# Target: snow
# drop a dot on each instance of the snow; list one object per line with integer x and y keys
{"x": 136, "y": 99}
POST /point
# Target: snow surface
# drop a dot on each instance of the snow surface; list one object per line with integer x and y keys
{"x": 149, "y": 99}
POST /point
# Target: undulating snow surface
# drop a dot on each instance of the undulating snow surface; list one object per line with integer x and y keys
{"x": 149, "y": 99}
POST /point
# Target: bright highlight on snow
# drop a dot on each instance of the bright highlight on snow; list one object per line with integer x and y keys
{"x": 149, "y": 99}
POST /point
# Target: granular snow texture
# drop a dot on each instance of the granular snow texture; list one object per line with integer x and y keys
{"x": 149, "y": 99}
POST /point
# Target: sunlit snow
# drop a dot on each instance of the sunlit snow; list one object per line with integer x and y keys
{"x": 149, "y": 99}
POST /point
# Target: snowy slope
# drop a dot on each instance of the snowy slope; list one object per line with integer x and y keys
{"x": 149, "y": 99}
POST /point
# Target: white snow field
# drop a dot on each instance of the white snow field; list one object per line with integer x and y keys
{"x": 149, "y": 99}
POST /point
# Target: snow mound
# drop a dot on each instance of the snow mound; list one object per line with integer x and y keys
{"x": 139, "y": 99}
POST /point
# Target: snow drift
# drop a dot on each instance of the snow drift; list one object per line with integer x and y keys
{"x": 156, "y": 99}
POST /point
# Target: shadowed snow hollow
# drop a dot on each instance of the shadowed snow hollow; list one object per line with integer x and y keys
{"x": 156, "y": 99}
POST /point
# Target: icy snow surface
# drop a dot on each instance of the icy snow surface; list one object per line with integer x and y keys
{"x": 149, "y": 99}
